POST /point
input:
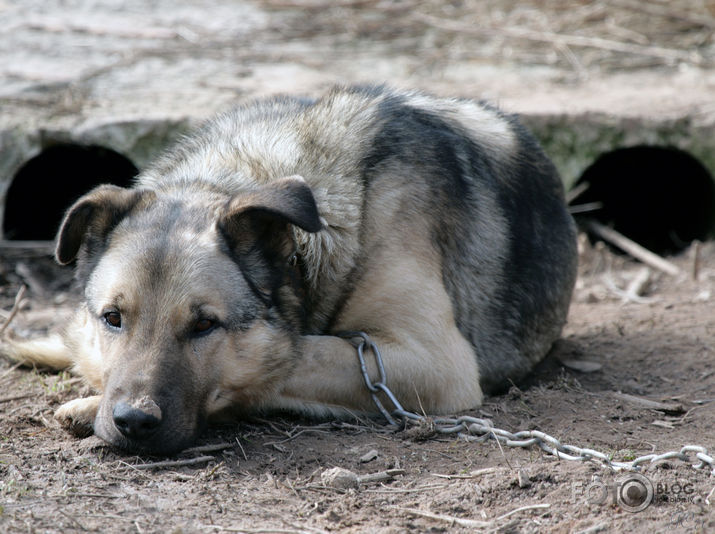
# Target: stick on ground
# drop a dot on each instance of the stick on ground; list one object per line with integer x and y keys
{"x": 14, "y": 310}
{"x": 174, "y": 463}
{"x": 633, "y": 248}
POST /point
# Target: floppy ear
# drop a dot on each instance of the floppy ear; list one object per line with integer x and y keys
{"x": 256, "y": 226}
{"x": 93, "y": 216}
{"x": 264, "y": 214}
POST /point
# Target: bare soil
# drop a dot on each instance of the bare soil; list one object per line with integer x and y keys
{"x": 617, "y": 352}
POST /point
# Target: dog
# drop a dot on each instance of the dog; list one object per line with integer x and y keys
{"x": 222, "y": 279}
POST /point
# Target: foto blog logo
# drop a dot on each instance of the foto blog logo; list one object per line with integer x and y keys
{"x": 632, "y": 493}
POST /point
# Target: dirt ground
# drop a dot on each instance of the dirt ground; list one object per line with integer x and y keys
{"x": 619, "y": 351}
{"x": 634, "y": 373}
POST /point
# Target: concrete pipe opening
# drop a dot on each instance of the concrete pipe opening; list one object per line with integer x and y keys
{"x": 47, "y": 185}
{"x": 662, "y": 198}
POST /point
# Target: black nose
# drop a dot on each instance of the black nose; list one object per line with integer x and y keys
{"x": 134, "y": 423}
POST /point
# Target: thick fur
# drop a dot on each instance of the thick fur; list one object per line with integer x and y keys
{"x": 221, "y": 279}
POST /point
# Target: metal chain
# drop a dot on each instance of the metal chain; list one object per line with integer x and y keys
{"x": 476, "y": 429}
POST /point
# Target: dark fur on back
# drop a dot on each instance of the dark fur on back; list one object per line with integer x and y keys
{"x": 508, "y": 301}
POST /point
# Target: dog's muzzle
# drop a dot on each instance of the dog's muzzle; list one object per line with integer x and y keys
{"x": 138, "y": 420}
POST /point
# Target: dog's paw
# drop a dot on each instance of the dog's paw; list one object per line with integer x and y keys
{"x": 77, "y": 416}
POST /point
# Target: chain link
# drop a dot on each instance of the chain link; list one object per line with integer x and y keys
{"x": 476, "y": 429}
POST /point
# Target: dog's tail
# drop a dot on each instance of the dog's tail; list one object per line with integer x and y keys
{"x": 49, "y": 353}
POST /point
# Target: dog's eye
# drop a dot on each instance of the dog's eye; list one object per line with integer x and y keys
{"x": 203, "y": 326}
{"x": 113, "y": 319}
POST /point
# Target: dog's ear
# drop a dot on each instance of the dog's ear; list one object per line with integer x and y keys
{"x": 257, "y": 228}
{"x": 95, "y": 214}
{"x": 264, "y": 214}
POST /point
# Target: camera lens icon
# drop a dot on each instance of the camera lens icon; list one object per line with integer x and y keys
{"x": 634, "y": 493}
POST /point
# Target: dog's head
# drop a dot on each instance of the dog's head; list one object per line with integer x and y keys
{"x": 191, "y": 303}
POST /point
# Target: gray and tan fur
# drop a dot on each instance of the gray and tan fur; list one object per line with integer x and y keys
{"x": 219, "y": 281}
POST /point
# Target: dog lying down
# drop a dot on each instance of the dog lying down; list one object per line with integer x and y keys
{"x": 220, "y": 281}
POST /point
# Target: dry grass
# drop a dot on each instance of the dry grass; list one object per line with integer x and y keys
{"x": 579, "y": 35}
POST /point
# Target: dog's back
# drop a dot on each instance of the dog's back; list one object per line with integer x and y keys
{"x": 384, "y": 166}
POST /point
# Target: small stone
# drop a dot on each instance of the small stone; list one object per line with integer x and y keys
{"x": 523, "y": 479}
{"x": 369, "y": 456}
{"x": 339, "y": 478}
{"x": 584, "y": 366}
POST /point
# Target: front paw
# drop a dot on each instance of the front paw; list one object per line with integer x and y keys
{"x": 77, "y": 416}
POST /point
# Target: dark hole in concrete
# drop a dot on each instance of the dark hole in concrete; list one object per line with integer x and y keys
{"x": 47, "y": 184}
{"x": 662, "y": 198}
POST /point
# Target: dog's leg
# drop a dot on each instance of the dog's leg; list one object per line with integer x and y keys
{"x": 398, "y": 298}
{"x": 77, "y": 416}
{"x": 401, "y": 303}
{"x": 424, "y": 377}
{"x": 403, "y": 306}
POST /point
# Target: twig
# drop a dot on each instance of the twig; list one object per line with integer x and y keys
{"x": 633, "y": 248}
{"x": 407, "y": 490}
{"x": 381, "y": 476}
{"x": 636, "y": 288}
{"x": 16, "y": 397}
{"x": 650, "y": 404}
{"x": 585, "y": 208}
{"x": 313, "y": 4}
{"x": 14, "y": 310}
{"x": 707, "y": 499}
{"x": 542, "y": 506}
{"x": 87, "y": 495}
{"x": 110, "y": 516}
{"x": 501, "y": 449}
{"x": 698, "y": 19}
{"x": 624, "y": 295}
{"x": 473, "y": 474}
{"x": 242, "y": 450}
{"x": 638, "y": 285}
{"x": 288, "y": 485}
{"x": 320, "y": 488}
{"x": 696, "y": 260}
{"x": 663, "y": 424}
{"x": 290, "y": 437}
{"x": 77, "y": 523}
{"x": 577, "y": 191}
{"x": 11, "y": 369}
{"x": 209, "y": 448}
{"x": 42, "y": 246}
{"x": 448, "y": 518}
{"x": 174, "y": 463}
{"x": 471, "y": 522}
{"x": 600, "y": 527}
{"x": 260, "y": 530}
